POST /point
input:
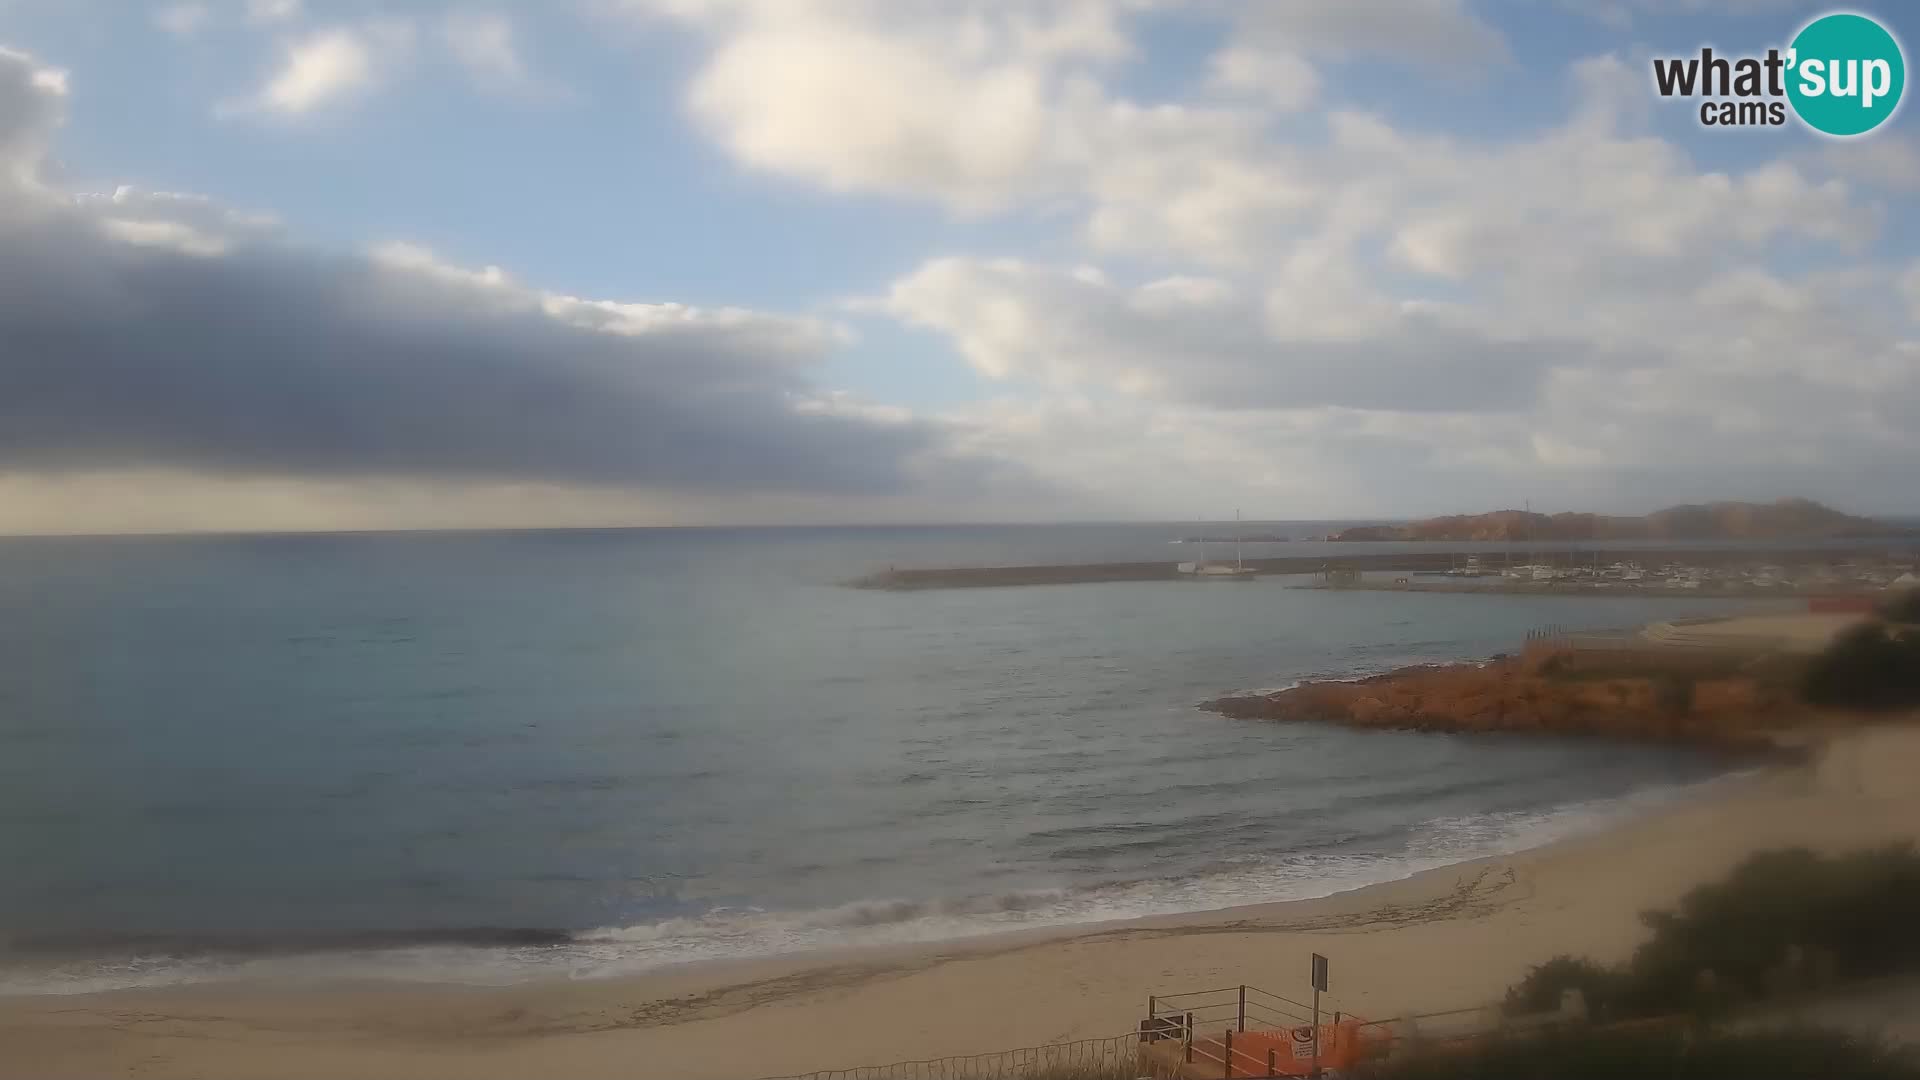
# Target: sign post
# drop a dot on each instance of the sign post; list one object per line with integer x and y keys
{"x": 1319, "y": 985}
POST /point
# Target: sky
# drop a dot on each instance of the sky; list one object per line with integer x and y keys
{"x": 322, "y": 264}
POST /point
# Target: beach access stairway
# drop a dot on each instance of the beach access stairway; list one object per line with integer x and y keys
{"x": 1237, "y": 1032}
{"x": 1243, "y": 1031}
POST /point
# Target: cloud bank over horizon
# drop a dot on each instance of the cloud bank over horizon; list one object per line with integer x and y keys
{"x": 167, "y": 333}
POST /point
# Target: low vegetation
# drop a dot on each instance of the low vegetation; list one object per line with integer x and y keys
{"x": 1669, "y": 1053}
{"x": 1873, "y": 666}
{"x": 1902, "y": 607}
{"x": 1543, "y": 988}
{"x": 1781, "y": 920}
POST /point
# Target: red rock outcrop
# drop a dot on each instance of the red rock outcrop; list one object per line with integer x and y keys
{"x": 1523, "y": 695}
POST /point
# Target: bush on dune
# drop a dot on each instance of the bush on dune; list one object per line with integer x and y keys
{"x": 1902, "y": 607}
{"x": 1542, "y": 989}
{"x": 1857, "y": 908}
{"x": 1872, "y": 666}
{"x": 1724, "y": 944}
{"x": 1671, "y": 1054}
{"x": 1729, "y": 940}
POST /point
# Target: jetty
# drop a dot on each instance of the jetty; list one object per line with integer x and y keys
{"x": 974, "y": 577}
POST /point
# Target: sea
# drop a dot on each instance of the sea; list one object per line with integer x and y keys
{"x": 489, "y": 757}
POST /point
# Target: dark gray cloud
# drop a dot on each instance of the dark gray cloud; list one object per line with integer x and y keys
{"x": 155, "y": 332}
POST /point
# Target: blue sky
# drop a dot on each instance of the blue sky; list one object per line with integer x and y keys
{"x": 1394, "y": 215}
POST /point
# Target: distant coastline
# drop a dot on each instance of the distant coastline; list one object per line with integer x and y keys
{"x": 1316, "y": 559}
{"x": 1787, "y": 519}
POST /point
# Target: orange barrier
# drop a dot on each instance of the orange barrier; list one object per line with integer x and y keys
{"x": 1287, "y": 1052}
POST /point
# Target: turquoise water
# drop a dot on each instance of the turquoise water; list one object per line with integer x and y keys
{"x": 485, "y": 757}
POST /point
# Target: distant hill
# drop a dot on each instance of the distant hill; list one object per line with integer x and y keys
{"x": 1788, "y": 519}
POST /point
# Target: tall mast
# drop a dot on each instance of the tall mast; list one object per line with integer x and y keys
{"x": 1237, "y": 564}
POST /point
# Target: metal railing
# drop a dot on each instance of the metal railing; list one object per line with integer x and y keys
{"x": 1230, "y": 1031}
{"x": 1238, "y": 1007}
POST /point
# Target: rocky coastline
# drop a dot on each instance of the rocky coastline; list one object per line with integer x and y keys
{"x": 1535, "y": 694}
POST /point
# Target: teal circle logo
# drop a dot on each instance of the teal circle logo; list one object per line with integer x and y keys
{"x": 1845, "y": 74}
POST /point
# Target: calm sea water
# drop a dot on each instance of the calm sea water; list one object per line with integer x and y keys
{"x": 491, "y": 756}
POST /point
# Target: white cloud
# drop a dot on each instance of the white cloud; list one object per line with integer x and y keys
{"x": 197, "y": 212}
{"x": 1405, "y": 309}
{"x": 329, "y": 67}
{"x": 1204, "y": 341}
{"x": 164, "y": 234}
{"x": 1613, "y": 324}
{"x": 33, "y": 102}
{"x": 858, "y": 109}
{"x": 320, "y": 69}
{"x": 182, "y": 20}
{"x": 976, "y": 104}
{"x": 985, "y": 104}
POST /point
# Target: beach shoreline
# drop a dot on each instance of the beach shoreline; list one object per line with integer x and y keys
{"x": 492, "y": 958}
{"x": 1450, "y": 937}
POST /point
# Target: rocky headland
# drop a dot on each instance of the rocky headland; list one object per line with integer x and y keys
{"x": 1535, "y": 693}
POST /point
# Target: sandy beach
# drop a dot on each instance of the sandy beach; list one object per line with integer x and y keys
{"x": 1448, "y": 938}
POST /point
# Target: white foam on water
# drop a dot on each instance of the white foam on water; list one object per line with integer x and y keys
{"x": 740, "y": 933}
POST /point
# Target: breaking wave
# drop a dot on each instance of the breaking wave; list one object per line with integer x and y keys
{"x": 495, "y": 956}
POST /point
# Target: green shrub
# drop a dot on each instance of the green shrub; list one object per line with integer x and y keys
{"x": 1674, "y": 693}
{"x": 1901, "y": 607}
{"x": 1541, "y": 990}
{"x": 1872, "y": 666}
{"x": 1856, "y": 908}
{"x": 1671, "y": 1054}
{"x": 1728, "y": 940}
